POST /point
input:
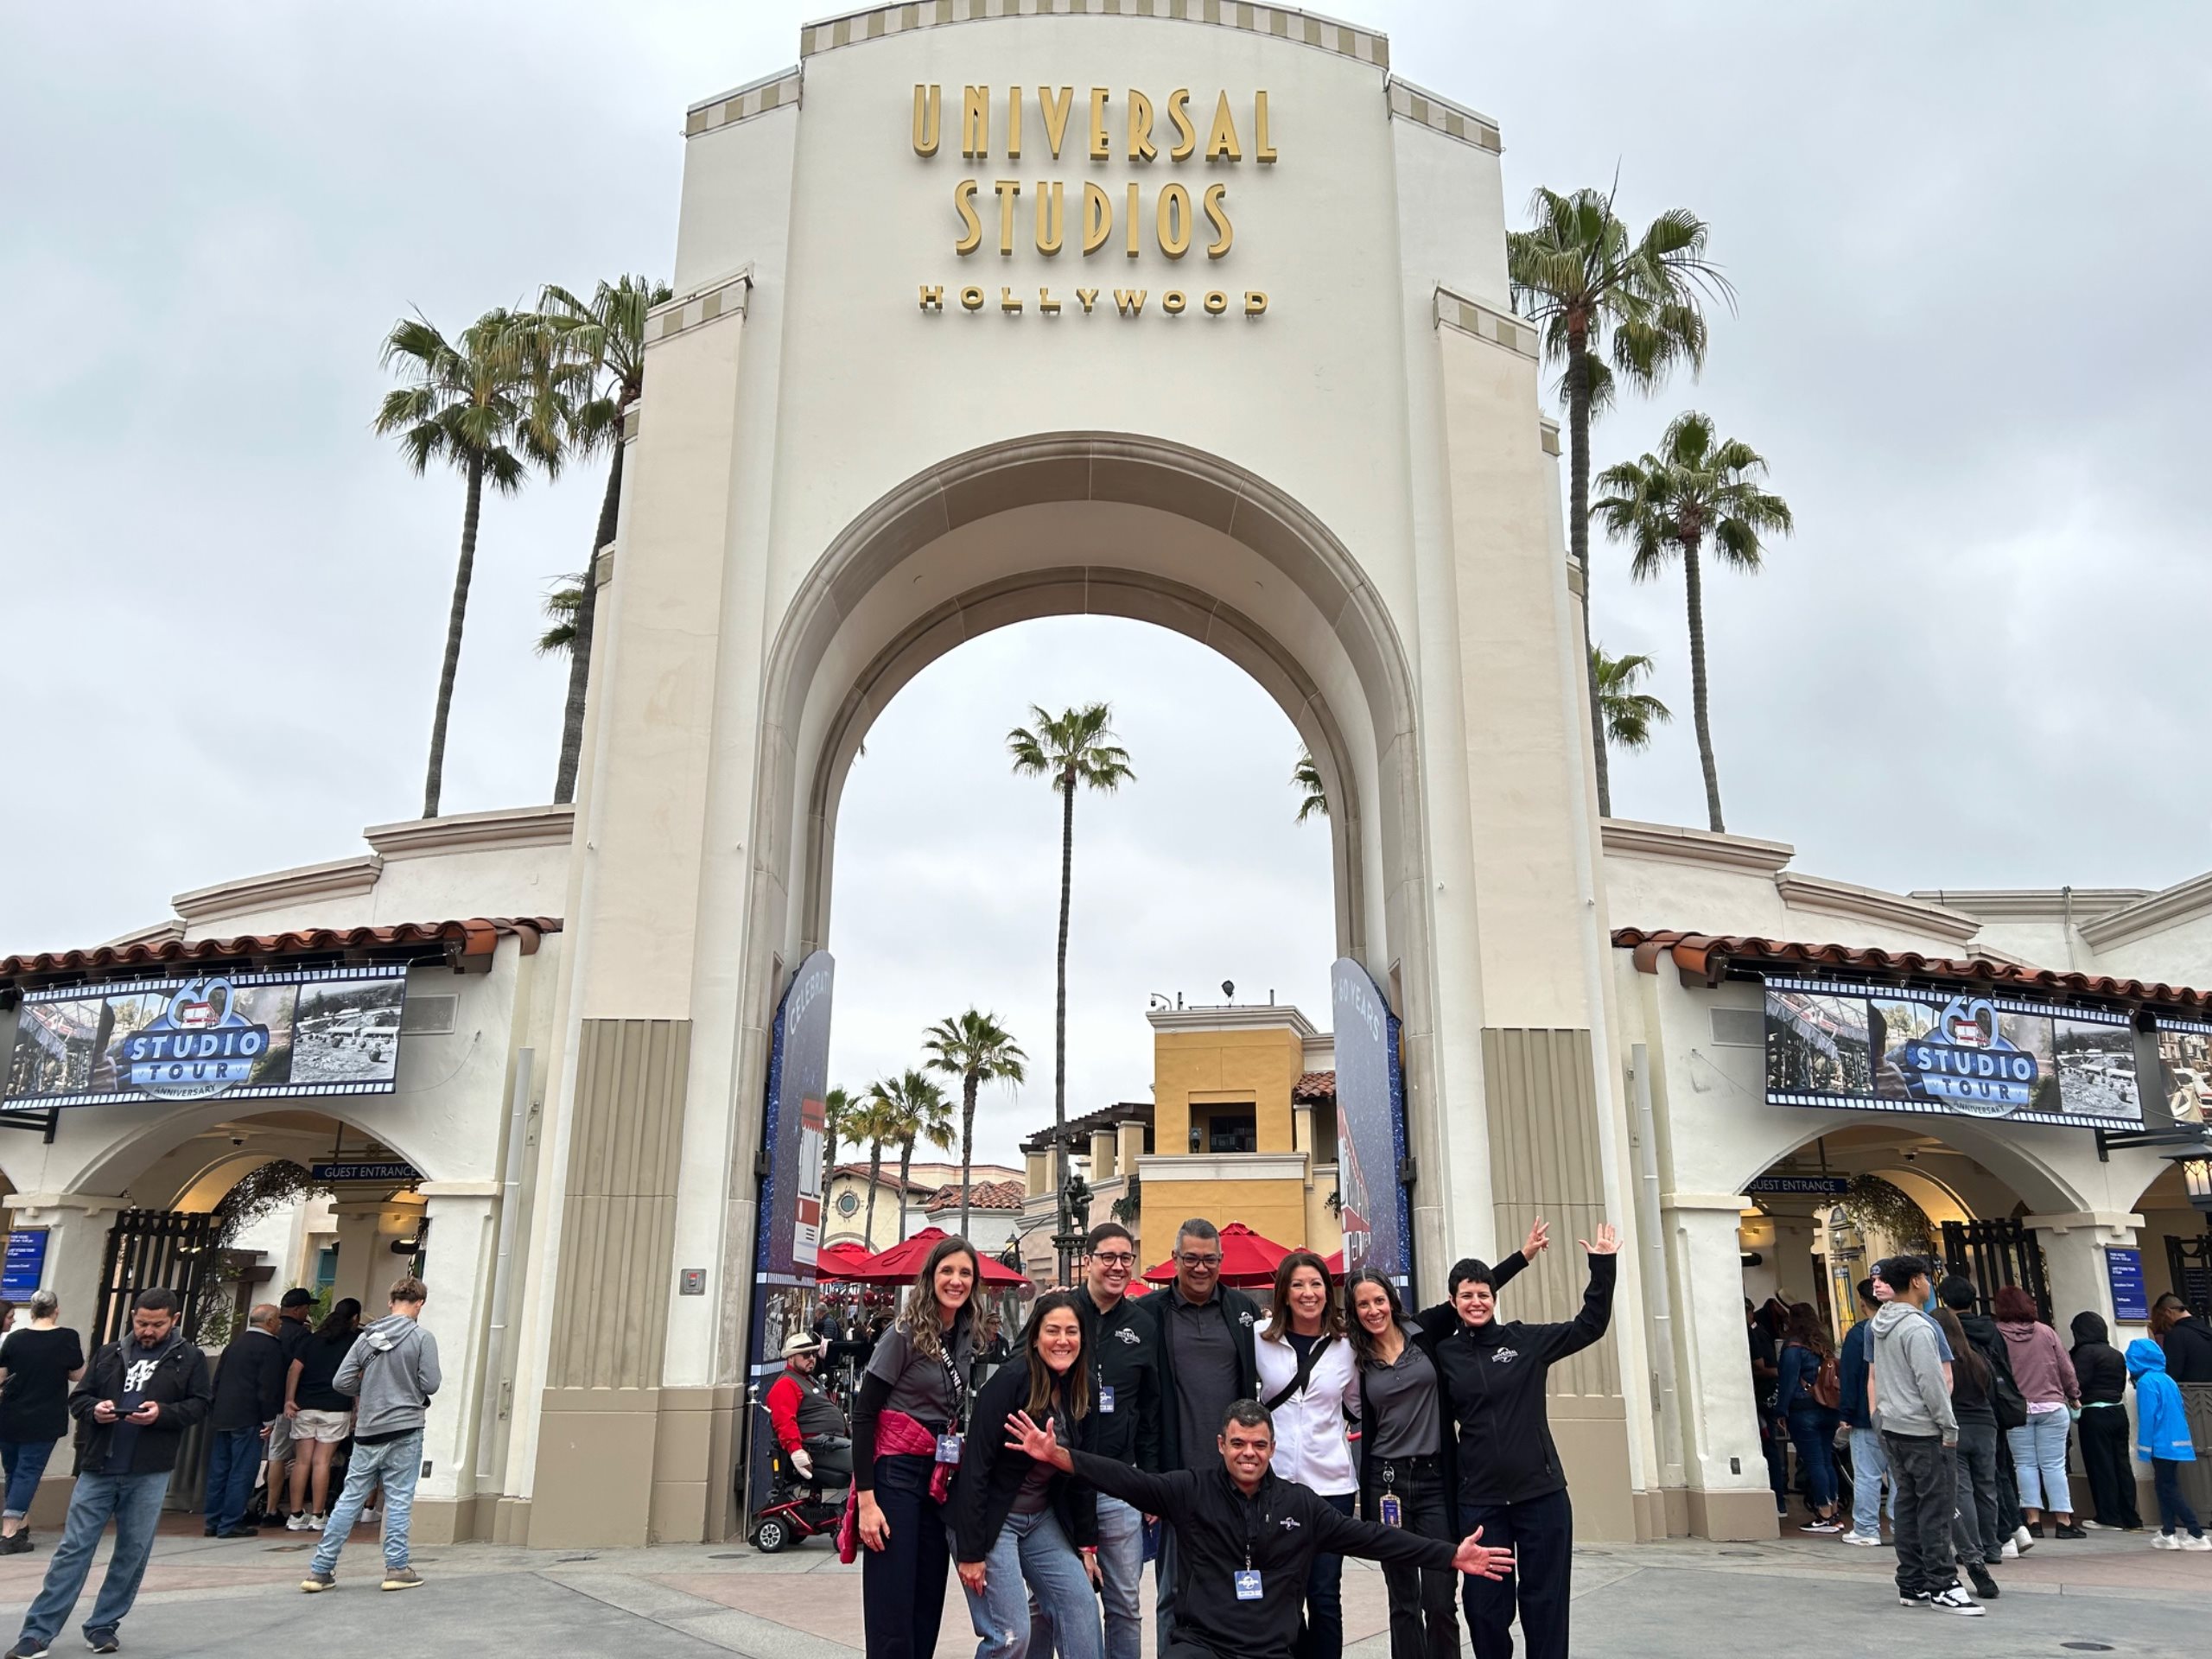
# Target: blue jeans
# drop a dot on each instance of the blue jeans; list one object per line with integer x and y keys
{"x": 396, "y": 1465}
{"x": 233, "y": 1459}
{"x": 1870, "y": 1465}
{"x": 25, "y": 1461}
{"x": 1034, "y": 1557}
{"x": 2039, "y": 1462}
{"x": 2174, "y": 1513}
{"x": 135, "y": 1503}
{"x": 1120, "y": 1564}
{"x": 1324, "y": 1634}
{"x": 1812, "y": 1429}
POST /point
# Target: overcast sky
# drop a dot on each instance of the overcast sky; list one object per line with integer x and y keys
{"x": 1970, "y": 242}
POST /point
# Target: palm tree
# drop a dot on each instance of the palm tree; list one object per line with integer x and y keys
{"x": 1306, "y": 777}
{"x": 914, "y": 1109}
{"x": 974, "y": 1048}
{"x": 1578, "y": 273}
{"x": 838, "y": 1107}
{"x": 1630, "y": 714}
{"x": 1695, "y": 485}
{"x": 870, "y": 1119}
{"x": 560, "y": 607}
{"x": 605, "y": 341}
{"x": 1073, "y": 747}
{"x": 485, "y": 404}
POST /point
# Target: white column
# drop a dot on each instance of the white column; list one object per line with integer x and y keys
{"x": 2074, "y": 1259}
{"x": 366, "y": 1229}
{"x": 463, "y": 1220}
{"x": 1722, "y": 1463}
{"x": 76, "y": 1226}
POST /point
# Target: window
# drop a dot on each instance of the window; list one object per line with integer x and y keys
{"x": 849, "y": 1202}
{"x": 1236, "y": 1129}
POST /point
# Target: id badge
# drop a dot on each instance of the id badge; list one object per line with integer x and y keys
{"x": 1393, "y": 1512}
{"x": 948, "y": 1448}
{"x": 1248, "y": 1584}
{"x": 1105, "y": 1399}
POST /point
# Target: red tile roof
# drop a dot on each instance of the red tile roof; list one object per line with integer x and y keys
{"x": 466, "y": 942}
{"x": 1706, "y": 958}
{"x": 984, "y": 1195}
{"x": 1315, "y": 1085}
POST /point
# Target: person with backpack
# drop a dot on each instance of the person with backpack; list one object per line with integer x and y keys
{"x": 2163, "y": 1440}
{"x": 2046, "y": 1378}
{"x": 1811, "y": 1392}
{"x": 1309, "y": 1381}
{"x": 2011, "y": 1406}
{"x": 2101, "y": 1369}
{"x": 1975, "y": 1537}
{"x": 391, "y": 1371}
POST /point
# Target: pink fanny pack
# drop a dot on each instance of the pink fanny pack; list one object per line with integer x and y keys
{"x": 896, "y": 1435}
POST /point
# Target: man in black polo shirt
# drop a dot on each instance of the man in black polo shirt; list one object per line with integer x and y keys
{"x": 1204, "y": 1335}
{"x": 1247, "y": 1538}
{"x": 1124, "y": 1420}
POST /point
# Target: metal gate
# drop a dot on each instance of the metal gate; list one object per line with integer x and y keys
{"x": 146, "y": 1248}
{"x": 2188, "y": 1261}
{"x": 1994, "y": 1254}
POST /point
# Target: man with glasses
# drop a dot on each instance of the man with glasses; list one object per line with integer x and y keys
{"x": 1204, "y": 1335}
{"x": 1123, "y": 1349}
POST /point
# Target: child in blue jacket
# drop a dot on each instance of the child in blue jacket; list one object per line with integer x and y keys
{"x": 2162, "y": 1437}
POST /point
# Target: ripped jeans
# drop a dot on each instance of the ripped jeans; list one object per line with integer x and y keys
{"x": 1034, "y": 1557}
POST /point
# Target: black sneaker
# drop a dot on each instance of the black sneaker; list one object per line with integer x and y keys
{"x": 28, "y": 1648}
{"x": 1955, "y": 1600}
{"x": 102, "y": 1641}
{"x": 1984, "y": 1586}
{"x": 2069, "y": 1531}
{"x": 1919, "y": 1600}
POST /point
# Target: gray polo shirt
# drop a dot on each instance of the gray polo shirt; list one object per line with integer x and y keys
{"x": 1408, "y": 1423}
{"x": 1206, "y": 1371}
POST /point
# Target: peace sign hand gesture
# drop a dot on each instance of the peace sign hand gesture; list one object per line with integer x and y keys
{"x": 1608, "y": 1242}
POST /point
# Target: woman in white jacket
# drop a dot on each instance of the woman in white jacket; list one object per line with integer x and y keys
{"x": 1309, "y": 1381}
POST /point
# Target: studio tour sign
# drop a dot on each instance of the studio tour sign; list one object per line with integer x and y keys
{"x": 1180, "y": 149}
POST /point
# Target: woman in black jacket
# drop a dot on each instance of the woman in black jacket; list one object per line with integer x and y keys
{"x": 1021, "y": 1529}
{"x": 2103, "y": 1427}
{"x": 1401, "y": 1479}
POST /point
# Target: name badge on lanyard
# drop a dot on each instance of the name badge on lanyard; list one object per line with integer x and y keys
{"x": 1105, "y": 1398}
{"x": 948, "y": 1448}
{"x": 1393, "y": 1512}
{"x": 1248, "y": 1584}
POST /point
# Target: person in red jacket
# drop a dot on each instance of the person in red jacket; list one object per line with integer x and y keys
{"x": 817, "y": 1439}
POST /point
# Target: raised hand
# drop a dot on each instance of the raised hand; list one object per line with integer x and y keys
{"x": 1539, "y": 1240}
{"x": 1608, "y": 1242}
{"x": 1478, "y": 1561}
{"x": 1042, "y": 1445}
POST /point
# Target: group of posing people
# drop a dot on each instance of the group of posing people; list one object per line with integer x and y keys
{"x": 1968, "y": 1417}
{"x": 1228, "y": 1425}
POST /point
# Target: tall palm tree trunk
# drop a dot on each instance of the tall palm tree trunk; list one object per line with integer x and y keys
{"x": 1578, "y": 542}
{"x": 434, "y": 783}
{"x": 874, "y": 1180}
{"x": 572, "y": 718}
{"x": 1693, "y": 584}
{"x": 967, "y": 1085}
{"x": 1060, "y": 1016}
{"x": 906, "y": 1164}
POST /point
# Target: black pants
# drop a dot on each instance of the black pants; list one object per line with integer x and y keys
{"x": 1322, "y": 1636}
{"x": 1423, "y": 1616}
{"x": 1928, "y": 1496}
{"x": 832, "y": 1457}
{"x": 902, "y": 1585}
{"x": 2111, "y": 1473}
{"x": 1974, "y": 1531}
{"x": 1541, "y": 1535}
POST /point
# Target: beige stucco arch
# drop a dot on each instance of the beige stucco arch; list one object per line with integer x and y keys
{"x": 2040, "y": 1175}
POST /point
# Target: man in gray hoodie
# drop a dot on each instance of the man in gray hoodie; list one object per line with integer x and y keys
{"x": 392, "y": 1368}
{"x": 1910, "y": 1390}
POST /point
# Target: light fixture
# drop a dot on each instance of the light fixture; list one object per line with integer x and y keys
{"x": 2197, "y": 1180}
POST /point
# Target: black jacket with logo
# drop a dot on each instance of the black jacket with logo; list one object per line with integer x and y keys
{"x": 1493, "y": 1381}
{"x": 990, "y": 1475}
{"x": 1242, "y": 1315}
{"x": 178, "y": 1385}
{"x": 1424, "y": 1334}
{"x": 1277, "y": 1531}
{"x": 1124, "y": 1349}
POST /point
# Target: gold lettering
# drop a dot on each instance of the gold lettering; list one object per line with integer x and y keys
{"x": 929, "y": 110}
{"x": 1178, "y": 111}
{"x": 1014, "y": 124}
{"x": 1221, "y": 142}
{"x": 1255, "y": 302}
{"x": 1141, "y": 145}
{"x": 1216, "y": 198}
{"x": 1097, "y": 219}
{"x": 1008, "y": 189}
{"x": 1216, "y": 302}
{"x": 1172, "y": 221}
{"x": 1173, "y": 301}
{"x": 1086, "y": 297}
{"x": 932, "y": 298}
{"x": 975, "y": 123}
{"x": 1007, "y": 301}
{"x": 1056, "y": 116}
{"x": 1130, "y": 300}
{"x": 1129, "y": 223}
{"x": 971, "y": 299}
{"x": 964, "y": 203}
{"x": 1046, "y": 303}
{"x": 1100, "y": 147}
{"x": 1050, "y": 216}
{"x": 1261, "y": 150}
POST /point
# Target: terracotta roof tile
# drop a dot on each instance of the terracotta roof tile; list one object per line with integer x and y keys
{"x": 470, "y": 940}
{"x": 1706, "y": 958}
{"x": 986, "y": 1195}
{"x": 1315, "y": 1085}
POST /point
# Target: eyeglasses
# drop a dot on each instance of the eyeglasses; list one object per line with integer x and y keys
{"x": 1113, "y": 1258}
{"x": 1190, "y": 1260}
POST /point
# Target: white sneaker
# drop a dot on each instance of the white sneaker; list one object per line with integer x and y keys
{"x": 2095, "y": 1525}
{"x": 296, "y": 1523}
{"x": 1955, "y": 1600}
{"x": 1865, "y": 1541}
{"x": 2165, "y": 1540}
{"x": 2025, "y": 1538}
{"x": 2197, "y": 1541}
{"x": 2009, "y": 1553}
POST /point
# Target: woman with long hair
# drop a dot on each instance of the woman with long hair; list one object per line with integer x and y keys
{"x": 1308, "y": 1382}
{"x": 1974, "y": 1528}
{"x": 1022, "y": 1531}
{"x": 321, "y": 1417}
{"x": 1807, "y": 1353}
{"x": 2046, "y": 1378}
{"x": 907, "y": 1443}
{"x": 1405, "y": 1461}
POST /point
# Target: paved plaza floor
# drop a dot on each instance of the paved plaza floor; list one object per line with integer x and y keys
{"x": 1815, "y": 1599}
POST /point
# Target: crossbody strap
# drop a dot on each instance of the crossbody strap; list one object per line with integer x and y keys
{"x": 1297, "y": 1384}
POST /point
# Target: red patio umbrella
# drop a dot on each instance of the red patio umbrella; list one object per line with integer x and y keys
{"x": 1335, "y": 1264}
{"x": 840, "y": 1262}
{"x": 1247, "y": 1259}
{"x": 899, "y": 1264}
